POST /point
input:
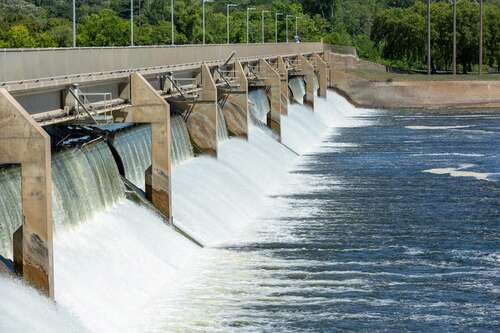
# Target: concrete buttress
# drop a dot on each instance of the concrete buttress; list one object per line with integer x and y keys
{"x": 24, "y": 142}
{"x": 322, "y": 71}
{"x": 285, "y": 92}
{"x": 272, "y": 80}
{"x": 307, "y": 69}
{"x": 202, "y": 121}
{"x": 148, "y": 106}
{"x": 236, "y": 107}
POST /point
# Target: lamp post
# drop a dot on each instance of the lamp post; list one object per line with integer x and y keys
{"x": 74, "y": 23}
{"x": 131, "y": 22}
{"x": 203, "y": 15}
{"x": 172, "y": 20}
{"x": 429, "y": 63}
{"x": 276, "y": 25}
{"x": 454, "y": 37}
{"x": 296, "y": 25}
{"x": 481, "y": 37}
{"x": 263, "y": 26}
{"x": 229, "y": 5}
{"x": 248, "y": 23}
{"x": 286, "y": 23}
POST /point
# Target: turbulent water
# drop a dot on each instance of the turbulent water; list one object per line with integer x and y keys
{"x": 298, "y": 89}
{"x": 389, "y": 222}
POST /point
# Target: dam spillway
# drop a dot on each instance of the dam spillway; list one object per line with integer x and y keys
{"x": 252, "y": 217}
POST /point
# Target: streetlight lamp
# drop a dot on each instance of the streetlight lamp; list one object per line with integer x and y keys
{"x": 172, "y": 20}
{"x": 74, "y": 23}
{"x": 131, "y": 22}
{"x": 286, "y": 24}
{"x": 248, "y": 22}
{"x": 276, "y": 25}
{"x": 229, "y": 5}
{"x": 263, "y": 27}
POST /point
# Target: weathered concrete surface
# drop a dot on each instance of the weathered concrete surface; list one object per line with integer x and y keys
{"x": 321, "y": 68}
{"x": 407, "y": 94}
{"x": 272, "y": 80}
{"x": 285, "y": 90}
{"x": 236, "y": 107}
{"x": 23, "y": 64}
{"x": 202, "y": 122}
{"x": 418, "y": 94}
{"x": 307, "y": 69}
{"x": 24, "y": 142}
{"x": 149, "y": 107}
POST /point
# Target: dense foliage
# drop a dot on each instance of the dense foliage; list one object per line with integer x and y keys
{"x": 383, "y": 30}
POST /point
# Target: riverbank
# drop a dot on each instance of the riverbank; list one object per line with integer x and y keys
{"x": 368, "y": 85}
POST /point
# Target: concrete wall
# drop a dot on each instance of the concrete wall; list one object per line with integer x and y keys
{"x": 24, "y": 64}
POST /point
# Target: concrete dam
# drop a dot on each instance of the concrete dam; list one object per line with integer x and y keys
{"x": 119, "y": 165}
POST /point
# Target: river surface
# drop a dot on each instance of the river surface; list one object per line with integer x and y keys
{"x": 391, "y": 223}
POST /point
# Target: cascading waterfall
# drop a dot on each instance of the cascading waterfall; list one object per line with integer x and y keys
{"x": 298, "y": 88}
{"x": 222, "y": 134}
{"x": 134, "y": 147}
{"x": 10, "y": 207}
{"x": 259, "y": 104}
{"x": 85, "y": 180}
{"x": 182, "y": 150}
{"x": 117, "y": 271}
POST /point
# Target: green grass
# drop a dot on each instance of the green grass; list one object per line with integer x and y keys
{"x": 374, "y": 75}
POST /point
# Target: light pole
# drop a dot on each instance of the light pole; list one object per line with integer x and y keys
{"x": 131, "y": 22}
{"x": 454, "y": 37}
{"x": 429, "y": 63}
{"x": 172, "y": 20}
{"x": 286, "y": 24}
{"x": 248, "y": 23}
{"x": 203, "y": 10}
{"x": 296, "y": 25}
{"x": 74, "y": 23}
{"x": 481, "y": 37}
{"x": 276, "y": 25}
{"x": 263, "y": 27}
{"x": 227, "y": 17}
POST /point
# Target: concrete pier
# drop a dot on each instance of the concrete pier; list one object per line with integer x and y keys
{"x": 285, "y": 90}
{"x": 202, "y": 120}
{"x": 307, "y": 70}
{"x": 24, "y": 142}
{"x": 272, "y": 80}
{"x": 149, "y": 107}
{"x": 321, "y": 69}
{"x": 235, "y": 107}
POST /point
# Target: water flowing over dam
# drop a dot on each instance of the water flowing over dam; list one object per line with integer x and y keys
{"x": 249, "y": 199}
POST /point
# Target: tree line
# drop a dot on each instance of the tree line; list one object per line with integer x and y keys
{"x": 391, "y": 31}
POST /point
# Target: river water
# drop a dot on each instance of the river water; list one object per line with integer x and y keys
{"x": 388, "y": 221}
{"x": 391, "y": 223}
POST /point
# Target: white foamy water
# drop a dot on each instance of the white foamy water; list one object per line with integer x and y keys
{"x": 460, "y": 172}
{"x": 435, "y": 127}
{"x": 124, "y": 270}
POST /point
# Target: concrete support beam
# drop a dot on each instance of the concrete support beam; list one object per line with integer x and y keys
{"x": 202, "y": 122}
{"x": 285, "y": 92}
{"x": 24, "y": 142}
{"x": 149, "y": 107}
{"x": 236, "y": 107}
{"x": 272, "y": 80}
{"x": 307, "y": 69}
{"x": 322, "y": 71}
